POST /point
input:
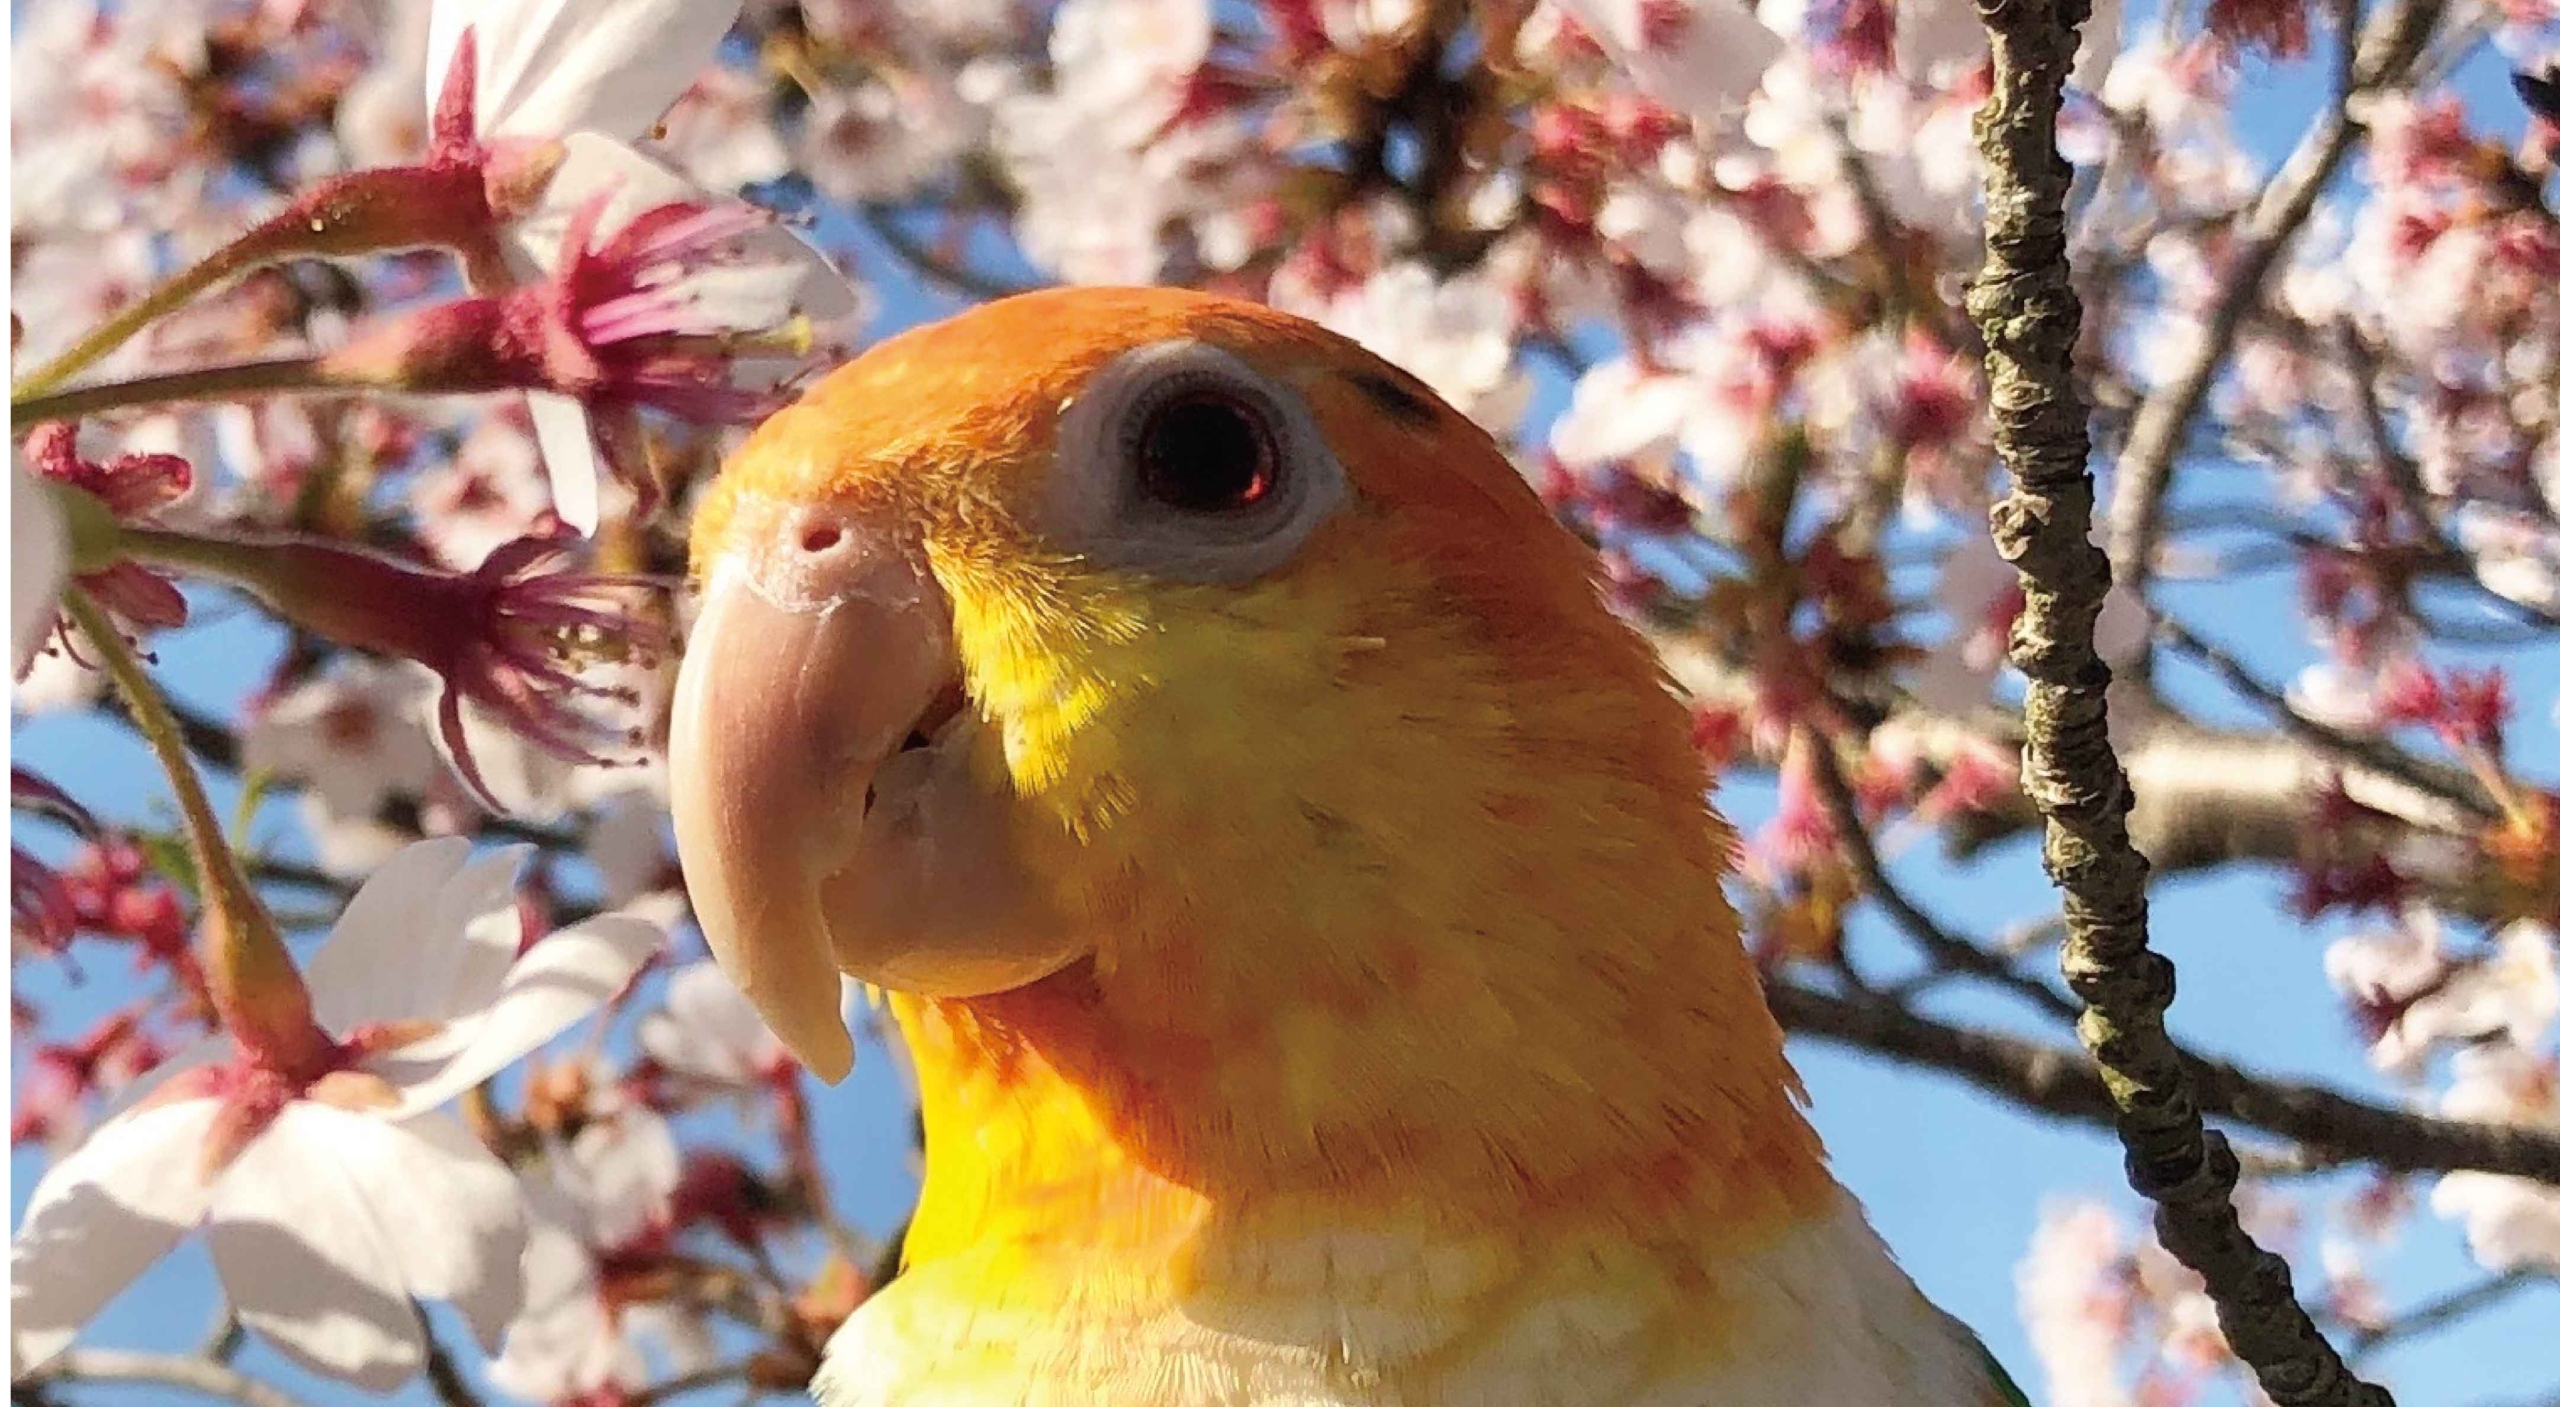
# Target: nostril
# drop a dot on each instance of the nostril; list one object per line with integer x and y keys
{"x": 818, "y": 537}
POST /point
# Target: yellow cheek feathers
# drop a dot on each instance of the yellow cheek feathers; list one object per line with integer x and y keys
{"x": 1390, "y": 870}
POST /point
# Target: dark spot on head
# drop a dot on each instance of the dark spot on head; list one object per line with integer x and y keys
{"x": 1395, "y": 396}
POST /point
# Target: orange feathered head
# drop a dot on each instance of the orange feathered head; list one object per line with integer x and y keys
{"x": 1192, "y": 695}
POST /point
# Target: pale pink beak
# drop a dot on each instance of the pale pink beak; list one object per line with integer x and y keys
{"x": 822, "y": 644}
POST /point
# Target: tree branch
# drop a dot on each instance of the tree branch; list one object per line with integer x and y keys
{"x": 716, "y": 1375}
{"x": 2449, "y": 785}
{"x": 444, "y": 1376}
{"x": 2445, "y": 1309}
{"x": 2382, "y": 56}
{"x": 1950, "y": 951}
{"x": 2030, "y": 321}
{"x": 197, "y": 1375}
{"x": 2068, "y": 1085}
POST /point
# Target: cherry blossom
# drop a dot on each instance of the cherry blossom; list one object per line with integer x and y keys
{"x": 2415, "y": 995}
{"x": 488, "y": 492}
{"x": 595, "y": 76}
{"x": 1699, "y": 56}
{"x": 2511, "y": 1221}
{"x": 599, "y": 1200}
{"x": 293, "y": 1176}
{"x": 2075, "y": 1306}
{"x": 1455, "y": 335}
{"x": 709, "y": 1034}
{"x": 1102, "y": 165}
{"x": 354, "y": 738}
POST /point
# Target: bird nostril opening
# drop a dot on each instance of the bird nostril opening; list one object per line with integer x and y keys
{"x": 818, "y": 537}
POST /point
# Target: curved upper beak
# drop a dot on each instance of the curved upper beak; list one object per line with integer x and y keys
{"x": 822, "y": 643}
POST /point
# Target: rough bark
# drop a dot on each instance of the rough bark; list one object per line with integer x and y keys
{"x": 2030, "y": 320}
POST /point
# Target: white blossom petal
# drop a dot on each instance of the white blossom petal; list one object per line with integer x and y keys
{"x": 548, "y": 68}
{"x": 1712, "y": 61}
{"x": 429, "y": 936}
{"x": 622, "y": 1171}
{"x": 39, "y": 563}
{"x": 708, "y": 1028}
{"x": 788, "y": 274}
{"x": 308, "y": 1259}
{"x": 627, "y": 843}
{"x": 564, "y": 1343}
{"x": 559, "y": 980}
{"x": 1620, "y": 411}
{"x": 607, "y": 1184}
{"x": 100, "y": 1217}
{"x": 456, "y": 1214}
{"x": 2509, "y": 1221}
{"x": 569, "y": 457}
{"x": 636, "y": 179}
{"x": 528, "y": 781}
{"x": 350, "y": 737}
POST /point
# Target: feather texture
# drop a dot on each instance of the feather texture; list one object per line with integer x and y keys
{"x": 1413, "y": 1058}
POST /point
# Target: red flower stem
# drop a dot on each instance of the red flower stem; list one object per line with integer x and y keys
{"x": 285, "y": 376}
{"x": 341, "y": 593}
{"x": 362, "y": 213}
{"x": 248, "y": 972}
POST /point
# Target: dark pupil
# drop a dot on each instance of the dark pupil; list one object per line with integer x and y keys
{"x": 1205, "y": 454}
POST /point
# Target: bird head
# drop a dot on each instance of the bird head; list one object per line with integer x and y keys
{"x": 1175, "y": 682}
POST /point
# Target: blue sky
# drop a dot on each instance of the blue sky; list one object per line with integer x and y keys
{"x": 1953, "y": 1179}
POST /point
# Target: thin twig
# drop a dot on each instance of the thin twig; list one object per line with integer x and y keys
{"x": 2325, "y": 1123}
{"x": 2364, "y": 373}
{"x": 223, "y": 1337}
{"x": 2030, "y": 321}
{"x": 2443, "y": 1310}
{"x": 955, "y": 276}
{"x": 284, "y": 375}
{"x": 188, "y": 1374}
{"x": 2446, "y": 784}
{"x": 216, "y": 745}
{"x": 444, "y": 1376}
{"x": 1950, "y": 951}
{"x": 695, "y": 1381}
{"x": 2157, "y": 436}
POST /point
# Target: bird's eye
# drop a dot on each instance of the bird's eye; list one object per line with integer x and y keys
{"x": 1182, "y": 460}
{"x": 1206, "y": 451}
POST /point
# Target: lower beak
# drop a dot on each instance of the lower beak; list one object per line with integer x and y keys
{"x": 822, "y": 644}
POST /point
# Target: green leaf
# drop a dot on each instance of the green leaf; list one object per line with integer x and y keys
{"x": 167, "y": 853}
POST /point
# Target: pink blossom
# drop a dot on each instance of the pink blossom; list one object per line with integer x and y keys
{"x": 2412, "y": 994}
{"x": 1695, "y": 57}
{"x": 292, "y": 1162}
{"x": 2510, "y": 1221}
{"x": 2077, "y": 1305}
{"x": 655, "y": 316}
{"x": 65, "y": 1077}
{"x": 519, "y": 639}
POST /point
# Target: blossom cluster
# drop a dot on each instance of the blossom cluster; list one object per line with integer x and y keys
{"x": 410, "y": 330}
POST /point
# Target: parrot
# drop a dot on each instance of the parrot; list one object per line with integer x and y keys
{"x": 1296, "y": 888}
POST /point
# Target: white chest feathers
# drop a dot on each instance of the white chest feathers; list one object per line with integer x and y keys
{"x": 1820, "y": 1316}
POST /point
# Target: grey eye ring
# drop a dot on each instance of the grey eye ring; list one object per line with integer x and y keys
{"x": 1180, "y": 460}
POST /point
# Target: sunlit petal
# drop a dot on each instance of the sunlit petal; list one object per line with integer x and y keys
{"x": 100, "y": 1217}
